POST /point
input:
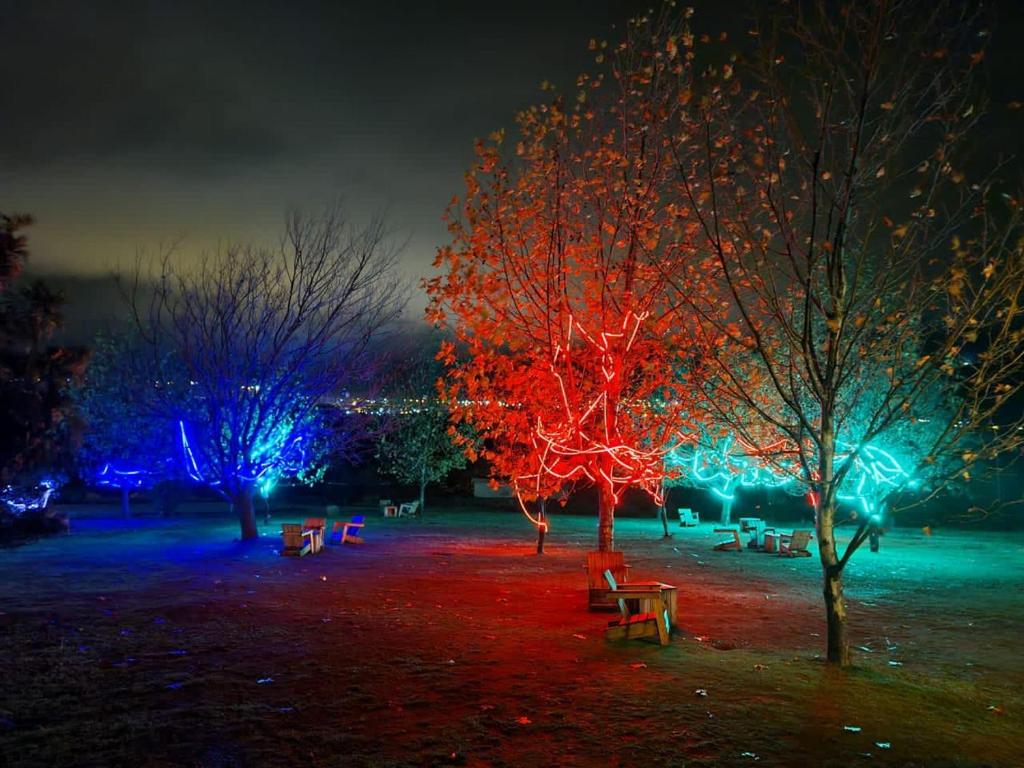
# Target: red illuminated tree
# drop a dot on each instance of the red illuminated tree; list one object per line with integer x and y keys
{"x": 502, "y": 396}
{"x": 579, "y": 369}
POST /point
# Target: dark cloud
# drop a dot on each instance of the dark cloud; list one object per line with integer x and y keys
{"x": 197, "y": 86}
{"x": 131, "y": 124}
{"x": 128, "y": 124}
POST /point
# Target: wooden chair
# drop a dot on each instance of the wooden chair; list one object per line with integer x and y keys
{"x": 597, "y": 587}
{"x": 653, "y": 619}
{"x": 731, "y": 544}
{"x": 318, "y": 525}
{"x": 755, "y": 528}
{"x": 347, "y": 533}
{"x": 409, "y": 509}
{"x": 296, "y": 541}
{"x": 599, "y": 595}
{"x": 688, "y": 517}
{"x": 795, "y": 544}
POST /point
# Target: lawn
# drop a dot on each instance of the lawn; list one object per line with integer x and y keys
{"x": 447, "y": 641}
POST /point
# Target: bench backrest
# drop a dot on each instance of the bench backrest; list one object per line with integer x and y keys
{"x": 315, "y": 522}
{"x": 357, "y": 518}
{"x": 799, "y": 541}
{"x": 600, "y": 562}
{"x": 291, "y": 534}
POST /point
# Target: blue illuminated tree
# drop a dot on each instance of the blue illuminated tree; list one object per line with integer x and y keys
{"x": 129, "y": 441}
{"x": 265, "y": 338}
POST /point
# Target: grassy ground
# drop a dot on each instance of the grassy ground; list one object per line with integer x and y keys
{"x": 446, "y": 641}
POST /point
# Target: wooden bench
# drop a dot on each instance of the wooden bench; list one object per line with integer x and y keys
{"x": 755, "y": 527}
{"x": 687, "y": 517}
{"x": 731, "y": 544}
{"x": 654, "y": 617}
{"x": 348, "y": 532}
{"x": 795, "y": 544}
{"x": 318, "y": 527}
{"x": 409, "y": 509}
{"x": 296, "y": 542}
{"x": 597, "y": 588}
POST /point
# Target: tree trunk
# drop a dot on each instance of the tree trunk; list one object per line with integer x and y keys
{"x": 542, "y": 529}
{"x": 663, "y": 512}
{"x": 126, "y": 503}
{"x": 835, "y": 613}
{"x": 838, "y": 648}
{"x": 423, "y": 489}
{"x": 605, "y": 518}
{"x": 242, "y": 502}
{"x": 727, "y": 509}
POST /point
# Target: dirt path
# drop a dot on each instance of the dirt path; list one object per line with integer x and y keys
{"x": 445, "y": 641}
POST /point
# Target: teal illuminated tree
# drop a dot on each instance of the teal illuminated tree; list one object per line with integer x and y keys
{"x": 908, "y": 459}
{"x": 722, "y": 464}
{"x": 865, "y": 276}
{"x": 264, "y": 339}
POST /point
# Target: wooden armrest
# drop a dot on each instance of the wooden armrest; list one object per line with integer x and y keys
{"x": 652, "y": 585}
{"x": 635, "y": 594}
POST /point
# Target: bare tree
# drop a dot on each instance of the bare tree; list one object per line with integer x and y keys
{"x": 867, "y": 278}
{"x": 265, "y": 337}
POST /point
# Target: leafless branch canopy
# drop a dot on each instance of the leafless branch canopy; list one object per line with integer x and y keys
{"x": 264, "y": 335}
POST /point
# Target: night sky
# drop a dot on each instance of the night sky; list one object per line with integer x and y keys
{"x": 130, "y": 124}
